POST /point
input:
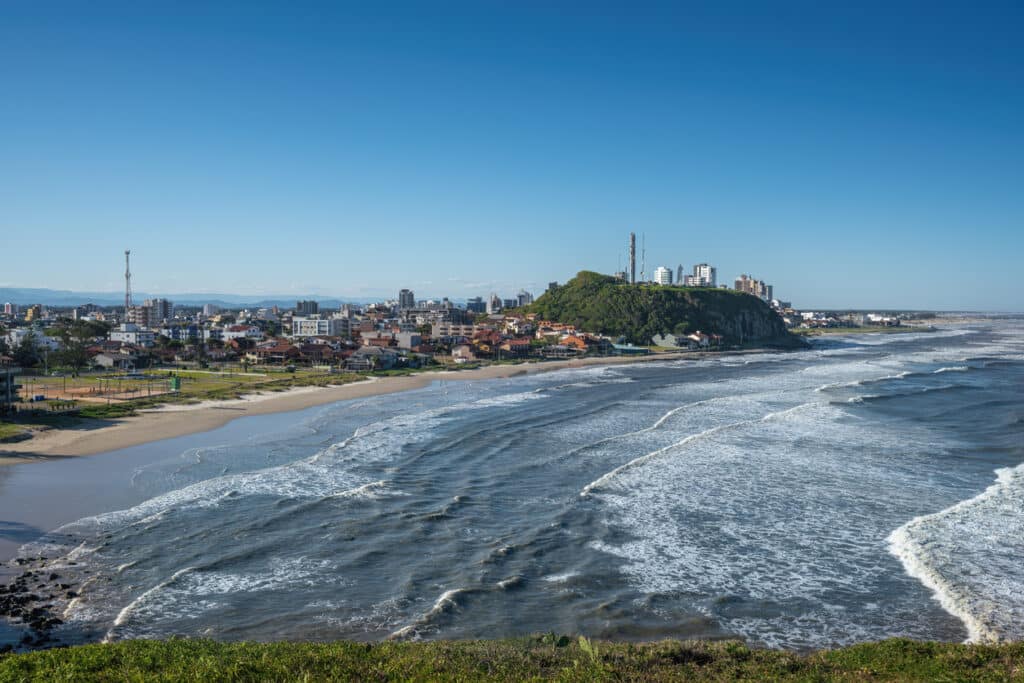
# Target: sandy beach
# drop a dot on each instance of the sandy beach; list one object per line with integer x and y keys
{"x": 178, "y": 420}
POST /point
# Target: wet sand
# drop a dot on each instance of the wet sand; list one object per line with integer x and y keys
{"x": 178, "y": 420}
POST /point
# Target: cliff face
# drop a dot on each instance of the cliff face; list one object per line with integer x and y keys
{"x": 599, "y": 303}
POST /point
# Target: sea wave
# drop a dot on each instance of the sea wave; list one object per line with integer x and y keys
{"x": 609, "y": 476}
{"x": 969, "y": 554}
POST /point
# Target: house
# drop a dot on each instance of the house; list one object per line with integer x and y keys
{"x": 369, "y": 358}
{"x": 242, "y": 332}
{"x": 463, "y": 353}
{"x": 573, "y": 341}
{"x": 315, "y": 353}
{"x": 559, "y": 351}
{"x": 116, "y": 361}
{"x": 516, "y": 347}
{"x": 279, "y": 352}
{"x": 408, "y": 340}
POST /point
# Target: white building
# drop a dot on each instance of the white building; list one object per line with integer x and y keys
{"x": 130, "y": 333}
{"x": 315, "y": 326}
{"x": 706, "y": 275}
{"x": 242, "y": 332}
{"x": 17, "y": 335}
{"x": 663, "y": 275}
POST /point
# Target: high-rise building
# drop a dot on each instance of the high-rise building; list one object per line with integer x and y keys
{"x": 663, "y": 275}
{"x": 406, "y": 299}
{"x": 679, "y": 274}
{"x": 159, "y": 310}
{"x": 707, "y": 275}
{"x": 476, "y": 305}
{"x": 306, "y": 308}
{"x": 494, "y": 303}
{"x": 210, "y": 310}
{"x": 745, "y": 283}
{"x": 552, "y": 285}
{"x": 524, "y": 298}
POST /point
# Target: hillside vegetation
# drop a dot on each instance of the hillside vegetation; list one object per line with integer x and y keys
{"x": 602, "y": 304}
{"x": 539, "y": 658}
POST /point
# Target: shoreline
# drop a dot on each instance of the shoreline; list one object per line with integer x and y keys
{"x": 174, "y": 420}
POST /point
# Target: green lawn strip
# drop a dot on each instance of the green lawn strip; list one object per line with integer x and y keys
{"x": 535, "y": 658}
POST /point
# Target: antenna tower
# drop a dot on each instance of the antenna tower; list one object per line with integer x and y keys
{"x": 127, "y": 283}
{"x": 643, "y": 257}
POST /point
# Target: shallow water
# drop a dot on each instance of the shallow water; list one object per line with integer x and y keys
{"x": 797, "y": 500}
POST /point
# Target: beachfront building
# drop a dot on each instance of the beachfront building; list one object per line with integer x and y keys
{"x": 8, "y": 384}
{"x": 663, "y": 275}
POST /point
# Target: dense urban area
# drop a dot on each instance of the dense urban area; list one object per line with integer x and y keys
{"x": 97, "y": 360}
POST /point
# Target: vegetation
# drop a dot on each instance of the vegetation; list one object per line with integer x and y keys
{"x": 150, "y": 390}
{"x": 536, "y": 658}
{"x": 9, "y": 431}
{"x": 605, "y": 305}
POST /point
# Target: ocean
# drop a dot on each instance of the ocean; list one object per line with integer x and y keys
{"x": 869, "y": 487}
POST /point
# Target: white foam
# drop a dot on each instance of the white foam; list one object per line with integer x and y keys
{"x": 443, "y": 604}
{"x": 969, "y": 556}
{"x": 604, "y": 479}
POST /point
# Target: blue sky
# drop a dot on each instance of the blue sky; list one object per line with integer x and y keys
{"x": 853, "y": 154}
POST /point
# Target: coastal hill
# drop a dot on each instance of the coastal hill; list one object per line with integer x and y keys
{"x": 606, "y": 305}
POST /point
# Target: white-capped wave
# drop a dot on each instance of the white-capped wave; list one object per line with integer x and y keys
{"x": 444, "y": 604}
{"x": 609, "y": 476}
{"x": 969, "y": 556}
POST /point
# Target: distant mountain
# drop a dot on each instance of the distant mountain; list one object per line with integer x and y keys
{"x": 601, "y": 303}
{"x": 63, "y": 297}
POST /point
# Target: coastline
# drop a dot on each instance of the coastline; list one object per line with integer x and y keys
{"x": 171, "y": 421}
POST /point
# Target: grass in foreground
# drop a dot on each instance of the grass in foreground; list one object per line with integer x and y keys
{"x": 539, "y": 658}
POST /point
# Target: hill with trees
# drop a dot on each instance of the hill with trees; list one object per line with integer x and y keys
{"x": 606, "y": 305}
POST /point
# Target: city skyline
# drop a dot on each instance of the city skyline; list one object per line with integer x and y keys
{"x": 854, "y": 157}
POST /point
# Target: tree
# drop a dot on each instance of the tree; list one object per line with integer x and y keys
{"x": 76, "y": 336}
{"x": 27, "y": 353}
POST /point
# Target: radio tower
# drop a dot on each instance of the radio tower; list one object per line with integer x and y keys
{"x": 632, "y": 258}
{"x": 643, "y": 257}
{"x": 127, "y": 283}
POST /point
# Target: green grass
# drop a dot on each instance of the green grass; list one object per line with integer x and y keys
{"x": 9, "y": 430}
{"x": 536, "y": 658}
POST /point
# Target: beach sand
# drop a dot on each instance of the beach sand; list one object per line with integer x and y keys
{"x": 178, "y": 420}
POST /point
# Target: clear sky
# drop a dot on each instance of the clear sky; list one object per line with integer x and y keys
{"x": 853, "y": 154}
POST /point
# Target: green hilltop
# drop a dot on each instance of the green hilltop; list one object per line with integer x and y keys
{"x": 606, "y": 305}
